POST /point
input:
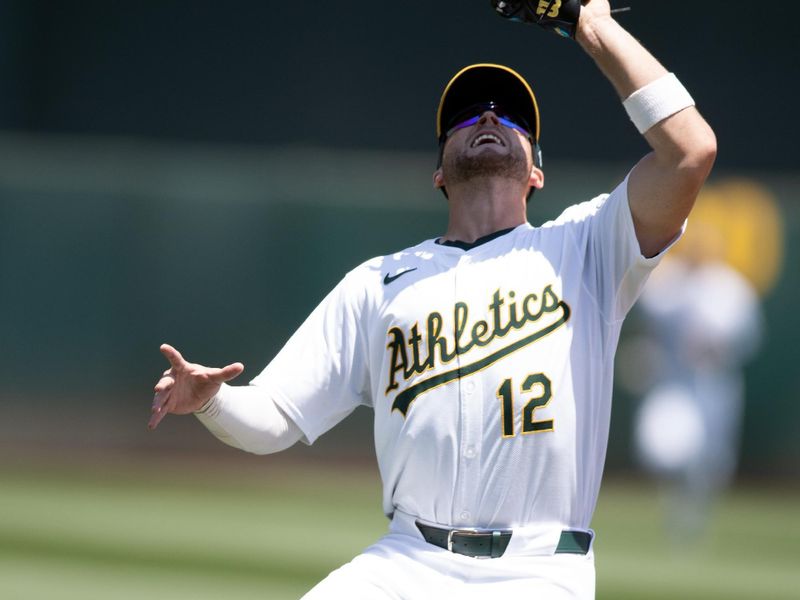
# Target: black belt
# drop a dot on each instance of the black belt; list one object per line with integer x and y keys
{"x": 493, "y": 543}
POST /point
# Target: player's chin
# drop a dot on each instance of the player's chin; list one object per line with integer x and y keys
{"x": 488, "y": 160}
{"x": 488, "y": 156}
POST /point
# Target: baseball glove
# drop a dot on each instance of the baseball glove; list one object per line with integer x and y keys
{"x": 559, "y": 16}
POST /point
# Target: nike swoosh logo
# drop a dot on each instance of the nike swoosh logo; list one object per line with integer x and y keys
{"x": 390, "y": 278}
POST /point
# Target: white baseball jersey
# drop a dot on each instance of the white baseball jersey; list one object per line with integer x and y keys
{"x": 489, "y": 369}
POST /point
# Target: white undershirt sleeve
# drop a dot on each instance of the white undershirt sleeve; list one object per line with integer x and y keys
{"x": 245, "y": 417}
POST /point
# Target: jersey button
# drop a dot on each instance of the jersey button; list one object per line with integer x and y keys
{"x": 465, "y": 515}
{"x": 469, "y": 387}
{"x": 470, "y": 452}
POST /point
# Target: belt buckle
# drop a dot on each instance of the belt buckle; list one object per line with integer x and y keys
{"x": 452, "y": 532}
{"x": 494, "y": 533}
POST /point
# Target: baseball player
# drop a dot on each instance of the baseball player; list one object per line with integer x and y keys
{"x": 486, "y": 354}
{"x": 705, "y": 323}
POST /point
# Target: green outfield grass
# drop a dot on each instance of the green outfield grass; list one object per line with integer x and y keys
{"x": 181, "y": 532}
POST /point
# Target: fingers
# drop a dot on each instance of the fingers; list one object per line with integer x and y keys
{"x": 166, "y": 381}
{"x": 195, "y": 382}
{"x": 155, "y": 419}
{"x": 226, "y": 373}
{"x": 162, "y": 391}
{"x": 173, "y": 356}
{"x": 159, "y": 409}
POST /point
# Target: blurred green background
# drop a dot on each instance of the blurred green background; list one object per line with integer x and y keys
{"x": 204, "y": 528}
{"x": 203, "y": 174}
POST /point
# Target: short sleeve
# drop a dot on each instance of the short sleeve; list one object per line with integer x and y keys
{"x": 320, "y": 376}
{"x": 616, "y": 269}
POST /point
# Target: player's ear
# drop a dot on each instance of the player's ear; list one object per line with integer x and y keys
{"x": 438, "y": 179}
{"x": 536, "y": 179}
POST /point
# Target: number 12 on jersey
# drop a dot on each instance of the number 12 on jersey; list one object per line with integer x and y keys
{"x": 537, "y": 384}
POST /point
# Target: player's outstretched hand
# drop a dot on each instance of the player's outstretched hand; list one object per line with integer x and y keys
{"x": 185, "y": 387}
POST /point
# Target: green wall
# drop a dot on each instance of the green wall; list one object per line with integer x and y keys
{"x": 109, "y": 247}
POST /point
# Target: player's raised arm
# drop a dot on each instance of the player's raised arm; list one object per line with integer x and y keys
{"x": 664, "y": 185}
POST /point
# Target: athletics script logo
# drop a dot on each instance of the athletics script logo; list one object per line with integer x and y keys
{"x": 413, "y": 353}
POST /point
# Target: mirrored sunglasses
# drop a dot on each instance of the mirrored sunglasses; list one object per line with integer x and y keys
{"x": 470, "y": 116}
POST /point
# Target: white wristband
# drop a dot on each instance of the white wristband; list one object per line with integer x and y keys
{"x": 656, "y": 101}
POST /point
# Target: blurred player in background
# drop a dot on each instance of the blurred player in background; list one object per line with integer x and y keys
{"x": 705, "y": 322}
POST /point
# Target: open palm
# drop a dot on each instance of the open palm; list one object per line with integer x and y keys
{"x": 185, "y": 387}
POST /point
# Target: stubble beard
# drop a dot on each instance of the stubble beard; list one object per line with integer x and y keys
{"x": 462, "y": 167}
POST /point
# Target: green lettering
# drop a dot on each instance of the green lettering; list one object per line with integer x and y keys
{"x": 436, "y": 340}
{"x": 399, "y": 361}
{"x": 530, "y": 312}
{"x": 461, "y": 314}
{"x": 478, "y": 331}
{"x": 413, "y": 343}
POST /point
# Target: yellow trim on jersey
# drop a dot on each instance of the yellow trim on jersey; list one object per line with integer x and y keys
{"x": 403, "y": 400}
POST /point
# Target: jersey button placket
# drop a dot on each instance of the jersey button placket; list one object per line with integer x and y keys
{"x": 470, "y": 405}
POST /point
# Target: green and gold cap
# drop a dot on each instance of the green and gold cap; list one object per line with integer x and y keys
{"x": 486, "y": 83}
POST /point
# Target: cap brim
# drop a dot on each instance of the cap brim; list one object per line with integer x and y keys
{"x": 484, "y": 83}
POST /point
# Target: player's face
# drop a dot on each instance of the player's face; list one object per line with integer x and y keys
{"x": 487, "y": 145}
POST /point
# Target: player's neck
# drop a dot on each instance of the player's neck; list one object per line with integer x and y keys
{"x": 480, "y": 210}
